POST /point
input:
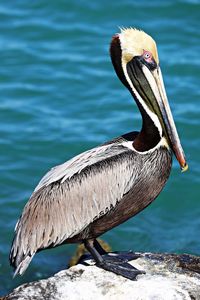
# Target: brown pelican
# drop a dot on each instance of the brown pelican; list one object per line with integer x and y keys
{"x": 103, "y": 187}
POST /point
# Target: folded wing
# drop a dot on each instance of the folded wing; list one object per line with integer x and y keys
{"x": 70, "y": 197}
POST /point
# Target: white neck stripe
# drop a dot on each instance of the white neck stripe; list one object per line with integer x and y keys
{"x": 153, "y": 116}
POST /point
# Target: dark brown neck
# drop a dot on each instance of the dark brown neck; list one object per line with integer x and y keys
{"x": 149, "y": 135}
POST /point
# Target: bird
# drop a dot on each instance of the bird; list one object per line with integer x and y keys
{"x": 99, "y": 189}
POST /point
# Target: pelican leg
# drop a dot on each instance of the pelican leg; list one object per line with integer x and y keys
{"x": 112, "y": 263}
{"x": 99, "y": 248}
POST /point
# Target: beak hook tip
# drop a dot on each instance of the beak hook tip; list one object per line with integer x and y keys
{"x": 184, "y": 168}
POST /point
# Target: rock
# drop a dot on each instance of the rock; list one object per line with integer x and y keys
{"x": 168, "y": 277}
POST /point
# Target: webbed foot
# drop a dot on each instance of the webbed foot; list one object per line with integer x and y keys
{"x": 120, "y": 268}
{"x": 114, "y": 262}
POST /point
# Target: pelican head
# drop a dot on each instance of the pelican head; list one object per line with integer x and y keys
{"x": 135, "y": 59}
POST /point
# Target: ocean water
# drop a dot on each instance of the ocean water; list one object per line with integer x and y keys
{"x": 60, "y": 96}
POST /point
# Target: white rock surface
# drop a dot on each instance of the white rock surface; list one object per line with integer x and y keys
{"x": 168, "y": 277}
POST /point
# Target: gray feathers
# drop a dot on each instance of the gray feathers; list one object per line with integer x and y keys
{"x": 23, "y": 265}
{"x": 70, "y": 197}
{"x": 79, "y": 162}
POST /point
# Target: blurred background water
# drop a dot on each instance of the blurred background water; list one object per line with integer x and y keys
{"x": 60, "y": 96}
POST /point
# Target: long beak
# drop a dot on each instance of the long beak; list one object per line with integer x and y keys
{"x": 166, "y": 117}
{"x": 154, "y": 95}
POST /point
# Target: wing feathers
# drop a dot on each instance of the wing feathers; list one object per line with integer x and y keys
{"x": 80, "y": 162}
{"x": 58, "y": 210}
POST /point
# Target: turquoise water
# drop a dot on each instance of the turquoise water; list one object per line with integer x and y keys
{"x": 60, "y": 96}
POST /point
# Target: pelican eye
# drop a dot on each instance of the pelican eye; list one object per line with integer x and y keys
{"x": 148, "y": 60}
{"x": 147, "y": 56}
